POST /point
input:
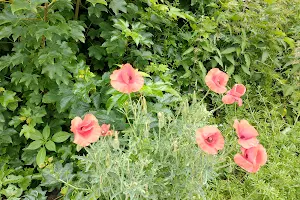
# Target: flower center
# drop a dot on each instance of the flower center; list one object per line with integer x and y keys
{"x": 242, "y": 137}
{"x": 209, "y": 139}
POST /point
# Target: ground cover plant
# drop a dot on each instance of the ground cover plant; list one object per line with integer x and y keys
{"x": 57, "y": 59}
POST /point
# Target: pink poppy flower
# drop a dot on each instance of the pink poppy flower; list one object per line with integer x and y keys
{"x": 246, "y": 133}
{"x": 216, "y": 80}
{"x": 126, "y": 79}
{"x": 234, "y": 95}
{"x": 210, "y": 139}
{"x": 85, "y": 131}
{"x": 251, "y": 159}
{"x": 105, "y": 130}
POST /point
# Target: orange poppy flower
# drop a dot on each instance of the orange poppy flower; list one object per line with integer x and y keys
{"x": 126, "y": 79}
{"x": 234, "y": 95}
{"x": 85, "y": 131}
{"x": 251, "y": 159}
{"x": 247, "y": 134}
{"x": 216, "y": 80}
{"x": 210, "y": 139}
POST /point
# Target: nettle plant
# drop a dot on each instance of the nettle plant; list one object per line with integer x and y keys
{"x": 155, "y": 159}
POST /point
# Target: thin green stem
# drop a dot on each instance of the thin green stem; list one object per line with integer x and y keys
{"x": 214, "y": 110}
{"x": 204, "y": 96}
{"x": 72, "y": 186}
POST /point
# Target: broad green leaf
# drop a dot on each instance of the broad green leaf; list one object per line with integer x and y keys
{"x": 230, "y": 70}
{"x": 41, "y": 156}
{"x": 113, "y": 100}
{"x": 60, "y": 136}
{"x": 189, "y": 50}
{"x": 247, "y": 59}
{"x": 228, "y": 50}
{"x": 20, "y": 5}
{"x": 94, "y": 2}
{"x": 7, "y": 97}
{"x": 50, "y": 97}
{"x": 203, "y": 69}
{"x": 46, "y": 132}
{"x": 230, "y": 58}
{"x": 218, "y": 60}
{"x": 97, "y": 51}
{"x": 50, "y": 145}
{"x": 12, "y": 191}
{"x": 5, "y": 32}
{"x": 12, "y": 179}
{"x": 237, "y": 79}
{"x": 35, "y": 145}
{"x": 290, "y": 42}
{"x": 246, "y": 69}
{"x": 118, "y": 5}
{"x": 30, "y": 132}
{"x": 264, "y": 56}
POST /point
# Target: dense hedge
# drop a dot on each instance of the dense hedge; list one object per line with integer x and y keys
{"x": 56, "y": 57}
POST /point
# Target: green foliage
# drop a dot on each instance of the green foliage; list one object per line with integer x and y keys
{"x": 278, "y": 179}
{"x": 144, "y": 162}
{"x": 55, "y": 66}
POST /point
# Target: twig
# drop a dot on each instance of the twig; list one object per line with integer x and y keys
{"x": 78, "y": 2}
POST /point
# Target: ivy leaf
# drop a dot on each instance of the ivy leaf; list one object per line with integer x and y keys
{"x": 46, "y": 132}
{"x": 50, "y": 145}
{"x": 35, "y": 145}
{"x": 94, "y": 2}
{"x": 41, "y": 156}
{"x": 118, "y": 5}
{"x": 60, "y": 136}
{"x": 7, "y": 97}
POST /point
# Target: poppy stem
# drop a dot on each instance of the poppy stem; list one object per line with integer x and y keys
{"x": 204, "y": 96}
{"x": 214, "y": 110}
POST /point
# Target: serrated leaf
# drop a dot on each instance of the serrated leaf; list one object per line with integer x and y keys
{"x": 118, "y": 5}
{"x": 94, "y": 2}
{"x": 96, "y": 51}
{"x": 60, "y": 136}
{"x": 5, "y": 32}
{"x": 20, "y": 5}
{"x": 46, "y": 132}
{"x": 7, "y": 97}
{"x": 41, "y": 156}
{"x": 35, "y": 145}
{"x": 50, "y": 145}
{"x": 50, "y": 97}
{"x": 228, "y": 50}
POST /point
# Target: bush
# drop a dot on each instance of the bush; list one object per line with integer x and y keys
{"x": 56, "y": 57}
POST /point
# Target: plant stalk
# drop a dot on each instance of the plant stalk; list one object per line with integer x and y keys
{"x": 78, "y": 2}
